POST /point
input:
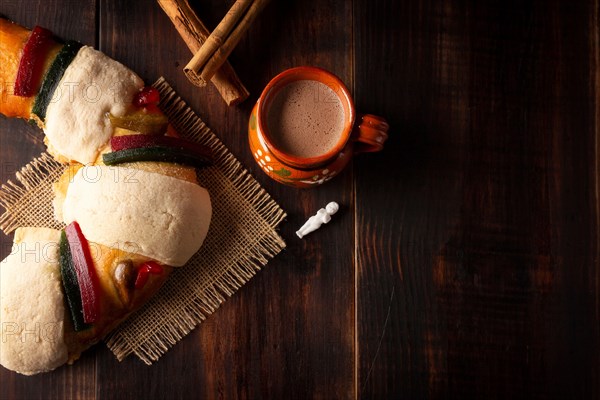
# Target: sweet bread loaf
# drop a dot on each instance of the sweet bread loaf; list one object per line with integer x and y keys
{"x": 129, "y": 199}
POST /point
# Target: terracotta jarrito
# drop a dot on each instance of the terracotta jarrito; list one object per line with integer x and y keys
{"x": 362, "y": 134}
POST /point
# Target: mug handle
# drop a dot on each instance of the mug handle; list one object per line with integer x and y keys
{"x": 369, "y": 134}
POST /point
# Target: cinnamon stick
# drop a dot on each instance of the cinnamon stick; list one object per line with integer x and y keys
{"x": 194, "y": 34}
{"x": 213, "y": 54}
{"x": 216, "y": 38}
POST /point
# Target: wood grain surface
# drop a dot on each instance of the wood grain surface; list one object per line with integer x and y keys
{"x": 465, "y": 260}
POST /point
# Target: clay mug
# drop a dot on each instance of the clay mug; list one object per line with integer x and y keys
{"x": 365, "y": 133}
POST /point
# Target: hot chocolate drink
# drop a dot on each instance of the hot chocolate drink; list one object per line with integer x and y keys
{"x": 305, "y": 119}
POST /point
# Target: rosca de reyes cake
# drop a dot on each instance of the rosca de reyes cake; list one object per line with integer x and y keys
{"x": 129, "y": 198}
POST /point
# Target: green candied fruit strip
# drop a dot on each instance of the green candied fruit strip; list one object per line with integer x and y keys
{"x": 71, "y": 285}
{"x": 158, "y": 153}
{"x": 55, "y": 73}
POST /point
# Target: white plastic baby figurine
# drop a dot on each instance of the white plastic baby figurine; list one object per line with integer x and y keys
{"x": 323, "y": 216}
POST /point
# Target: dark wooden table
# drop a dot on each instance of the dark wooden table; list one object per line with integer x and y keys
{"x": 465, "y": 260}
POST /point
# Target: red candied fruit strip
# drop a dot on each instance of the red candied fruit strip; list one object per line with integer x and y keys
{"x": 31, "y": 66}
{"x": 86, "y": 273}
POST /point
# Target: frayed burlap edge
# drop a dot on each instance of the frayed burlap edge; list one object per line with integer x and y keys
{"x": 20, "y": 199}
{"x": 141, "y": 335}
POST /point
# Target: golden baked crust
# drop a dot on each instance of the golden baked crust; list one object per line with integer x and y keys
{"x": 115, "y": 307}
{"x": 12, "y": 40}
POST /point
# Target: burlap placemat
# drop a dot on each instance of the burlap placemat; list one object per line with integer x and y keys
{"x": 241, "y": 239}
